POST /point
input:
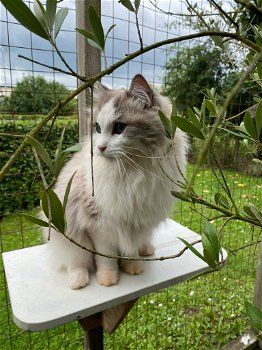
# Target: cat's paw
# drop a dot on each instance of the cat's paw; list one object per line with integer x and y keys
{"x": 107, "y": 277}
{"x": 78, "y": 278}
{"x": 147, "y": 249}
{"x": 133, "y": 267}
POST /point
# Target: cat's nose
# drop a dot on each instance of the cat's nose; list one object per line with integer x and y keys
{"x": 101, "y": 148}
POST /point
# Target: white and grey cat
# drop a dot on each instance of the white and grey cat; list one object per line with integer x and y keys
{"x": 133, "y": 166}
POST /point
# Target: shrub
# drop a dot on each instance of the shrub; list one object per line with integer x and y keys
{"x": 20, "y": 187}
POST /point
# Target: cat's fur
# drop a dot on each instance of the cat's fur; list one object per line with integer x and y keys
{"x": 132, "y": 183}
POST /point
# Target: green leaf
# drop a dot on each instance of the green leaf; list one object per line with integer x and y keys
{"x": 210, "y": 106}
{"x": 97, "y": 27}
{"x": 90, "y": 38}
{"x": 74, "y": 148}
{"x": 67, "y": 191}
{"x": 137, "y": 4}
{"x": 109, "y": 30}
{"x": 41, "y": 152}
{"x": 51, "y": 12}
{"x": 259, "y": 70}
{"x": 59, "y": 19}
{"x": 253, "y": 212}
{"x": 210, "y": 235}
{"x": 258, "y": 118}
{"x": 181, "y": 196}
{"x": 193, "y": 117}
{"x": 249, "y": 125}
{"x": 254, "y": 314}
{"x": 166, "y": 124}
{"x": 57, "y": 212}
{"x": 35, "y": 220}
{"x": 173, "y": 126}
{"x": 24, "y": 16}
{"x": 127, "y": 5}
{"x": 59, "y": 163}
{"x": 188, "y": 127}
{"x": 221, "y": 200}
{"x": 209, "y": 258}
{"x": 40, "y": 14}
{"x": 248, "y": 211}
{"x": 193, "y": 250}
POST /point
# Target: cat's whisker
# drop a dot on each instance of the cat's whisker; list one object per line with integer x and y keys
{"x": 149, "y": 157}
{"x": 123, "y": 166}
{"x": 139, "y": 168}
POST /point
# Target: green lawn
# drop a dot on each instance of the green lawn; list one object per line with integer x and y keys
{"x": 204, "y": 313}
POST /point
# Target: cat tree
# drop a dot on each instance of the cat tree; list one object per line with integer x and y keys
{"x": 41, "y": 300}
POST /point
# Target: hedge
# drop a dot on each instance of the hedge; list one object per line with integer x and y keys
{"x": 20, "y": 187}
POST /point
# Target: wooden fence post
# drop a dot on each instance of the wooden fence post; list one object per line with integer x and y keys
{"x": 88, "y": 61}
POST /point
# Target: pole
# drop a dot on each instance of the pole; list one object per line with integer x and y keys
{"x": 88, "y": 62}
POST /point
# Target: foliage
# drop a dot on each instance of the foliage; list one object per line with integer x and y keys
{"x": 36, "y": 95}
{"x": 210, "y": 305}
{"x": 193, "y": 70}
{"x": 21, "y": 186}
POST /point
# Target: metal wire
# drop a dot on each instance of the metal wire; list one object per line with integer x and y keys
{"x": 174, "y": 313}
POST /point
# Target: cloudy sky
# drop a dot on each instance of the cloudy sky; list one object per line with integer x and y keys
{"x": 123, "y": 40}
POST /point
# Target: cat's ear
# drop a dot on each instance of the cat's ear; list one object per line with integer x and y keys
{"x": 99, "y": 90}
{"x": 140, "y": 89}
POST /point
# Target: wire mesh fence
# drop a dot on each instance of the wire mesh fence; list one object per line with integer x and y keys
{"x": 205, "y": 313}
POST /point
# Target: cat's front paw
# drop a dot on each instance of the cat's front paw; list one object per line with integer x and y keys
{"x": 78, "y": 278}
{"x": 147, "y": 249}
{"x": 107, "y": 277}
{"x": 133, "y": 267}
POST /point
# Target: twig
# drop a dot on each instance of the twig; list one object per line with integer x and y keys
{"x": 250, "y": 6}
{"x": 130, "y": 258}
{"x": 91, "y": 80}
{"x": 52, "y": 67}
{"x": 91, "y": 141}
{"x": 197, "y": 14}
{"x": 169, "y": 13}
{"x": 46, "y": 188}
{"x": 11, "y": 135}
{"x": 53, "y": 43}
{"x": 138, "y": 32}
{"x": 226, "y": 188}
{"x": 220, "y": 117}
{"x": 224, "y": 13}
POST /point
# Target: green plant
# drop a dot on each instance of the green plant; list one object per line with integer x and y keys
{"x": 33, "y": 94}
{"x": 20, "y": 188}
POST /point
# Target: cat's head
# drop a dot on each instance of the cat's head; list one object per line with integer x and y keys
{"x": 127, "y": 121}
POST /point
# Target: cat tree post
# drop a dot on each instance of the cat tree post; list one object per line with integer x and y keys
{"x": 88, "y": 61}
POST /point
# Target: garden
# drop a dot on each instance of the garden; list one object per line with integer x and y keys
{"x": 216, "y": 94}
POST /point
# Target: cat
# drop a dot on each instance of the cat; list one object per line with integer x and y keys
{"x": 135, "y": 169}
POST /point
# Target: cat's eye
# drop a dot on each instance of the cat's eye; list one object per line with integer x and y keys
{"x": 118, "y": 128}
{"x": 98, "y": 128}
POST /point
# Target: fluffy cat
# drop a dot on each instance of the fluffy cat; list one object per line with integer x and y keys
{"x": 135, "y": 168}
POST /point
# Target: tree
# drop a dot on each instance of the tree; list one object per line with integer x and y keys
{"x": 195, "y": 69}
{"x": 36, "y": 95}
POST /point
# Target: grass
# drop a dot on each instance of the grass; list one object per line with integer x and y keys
{"x": 202, "y": 314}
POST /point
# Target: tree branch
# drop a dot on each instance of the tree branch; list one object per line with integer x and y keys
{"x": 214, "y": 3}
{"x": 250, "y": 6}
{"x": 51, "y": 67}
{"x": 220, "y": 117}
{"x": 89, "y": 81}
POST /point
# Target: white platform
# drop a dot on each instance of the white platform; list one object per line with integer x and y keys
{"x": 41, "y": 299}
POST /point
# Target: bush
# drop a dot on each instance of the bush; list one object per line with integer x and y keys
{"x": 34, "y": 94}
{"x": 21, "y": 186}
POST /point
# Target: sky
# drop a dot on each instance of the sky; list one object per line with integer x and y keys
{"x": 123, "y": 40}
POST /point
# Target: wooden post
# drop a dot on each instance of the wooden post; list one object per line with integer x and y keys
{"x": 88, "y": 62}
{"x": 258, "y": 287}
